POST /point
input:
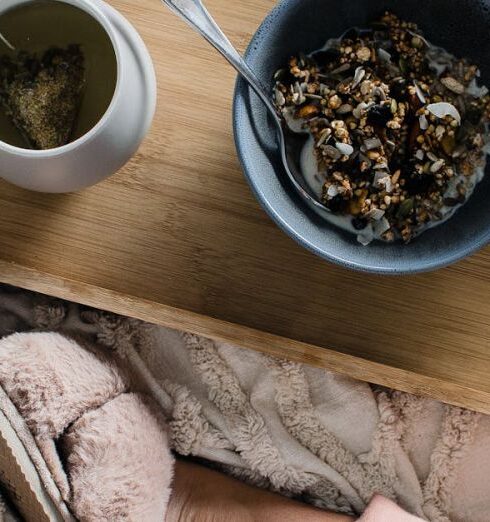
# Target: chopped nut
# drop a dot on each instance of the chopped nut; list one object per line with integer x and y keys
{"x": 334, "y": 102}
{"x": 364, "y": 54}
{"x": 393, "y": 124}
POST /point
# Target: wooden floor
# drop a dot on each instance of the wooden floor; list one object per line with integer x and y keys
{"x": 177, "y": 238}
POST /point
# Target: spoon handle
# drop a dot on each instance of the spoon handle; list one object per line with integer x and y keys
{"x": 197, "y": 16}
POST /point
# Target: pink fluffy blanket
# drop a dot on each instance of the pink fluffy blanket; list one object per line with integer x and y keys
{"x": 294, "y": 429}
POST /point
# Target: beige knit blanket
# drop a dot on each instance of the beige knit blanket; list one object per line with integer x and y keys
{"x": 291, "y": 428}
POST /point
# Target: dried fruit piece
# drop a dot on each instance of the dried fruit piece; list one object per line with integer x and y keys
{"x": 405, "y": 208}
{"x": 307, "y": 111}
{"x": 448, "y": 143}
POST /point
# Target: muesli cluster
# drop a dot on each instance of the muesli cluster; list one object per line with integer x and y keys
{"x": 399, "y": 127}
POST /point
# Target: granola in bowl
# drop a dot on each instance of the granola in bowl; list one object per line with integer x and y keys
{"x": 397, "y": 129}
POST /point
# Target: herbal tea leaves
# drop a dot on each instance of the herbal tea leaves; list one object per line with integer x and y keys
{"x": 42, "y": 95}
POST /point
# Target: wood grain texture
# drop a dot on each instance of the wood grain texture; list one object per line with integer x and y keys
{"x": 177, "y": 238}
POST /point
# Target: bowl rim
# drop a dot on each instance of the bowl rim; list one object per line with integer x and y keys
{"x": 239, "y": 107}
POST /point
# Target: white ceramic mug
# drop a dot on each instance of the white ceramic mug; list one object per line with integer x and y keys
{"x": 115, "y": 138}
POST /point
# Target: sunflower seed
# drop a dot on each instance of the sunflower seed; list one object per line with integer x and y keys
{"x": 280, "y": 99}
{"x": 383, "y": 55}
{"x": 437, "y": 166}
{"x": 344, "y": 108}
{"x": 332, "y": 152}
{"x": 452, "y": 84}
{"x": 372, "y": 143}
{"x": 344, "y": 67}
{"x": 358, "y": 76}
{"x": 344, "y": 148}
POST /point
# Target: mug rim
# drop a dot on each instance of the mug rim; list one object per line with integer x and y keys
{"x": 99, "y": 16}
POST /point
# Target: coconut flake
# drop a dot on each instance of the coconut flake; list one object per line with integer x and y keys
{"x": 342, "y": 68}
{"x": 381, "y": 226}
{"x": 474, "y": 90}
{"x": 420, "y": 94}
{"x": 375, "y": 214}
{"x": 382, "y": 180}
{"x": 366, "y": 236}
{"x": 279, "y": 96}
{"x": 363, "y": 106}
{"x": 384, "y": 55}
{"x": 358, "y": 76}
{"x": 443, "y": 109}
{"x": 377, "y": 177}
{"x": 388, "y": 185}
{"x": 424, "y": 124}
{"x": 332, "y": 191}
{"x": 345, "y": 148}
{"x": 372, "y": 143}
{"x": 419, "y": 154}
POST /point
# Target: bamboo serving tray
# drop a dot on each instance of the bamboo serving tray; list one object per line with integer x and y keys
{"x": 177, "y": 238}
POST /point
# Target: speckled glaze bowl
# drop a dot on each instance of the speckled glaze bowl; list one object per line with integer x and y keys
{"x": 462, "y": 27}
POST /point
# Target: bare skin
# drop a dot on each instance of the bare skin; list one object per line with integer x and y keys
{"x": 203, "y": 495}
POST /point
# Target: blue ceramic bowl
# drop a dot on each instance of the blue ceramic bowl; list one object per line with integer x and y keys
{"x": 462, "y": 27}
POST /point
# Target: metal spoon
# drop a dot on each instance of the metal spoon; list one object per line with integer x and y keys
{"x": 290, "y": 144}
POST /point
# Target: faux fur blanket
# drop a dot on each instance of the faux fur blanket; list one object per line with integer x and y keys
{"x": 294, "y": 429}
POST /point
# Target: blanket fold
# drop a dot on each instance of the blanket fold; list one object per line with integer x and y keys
{"x": 301, "y": 431}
